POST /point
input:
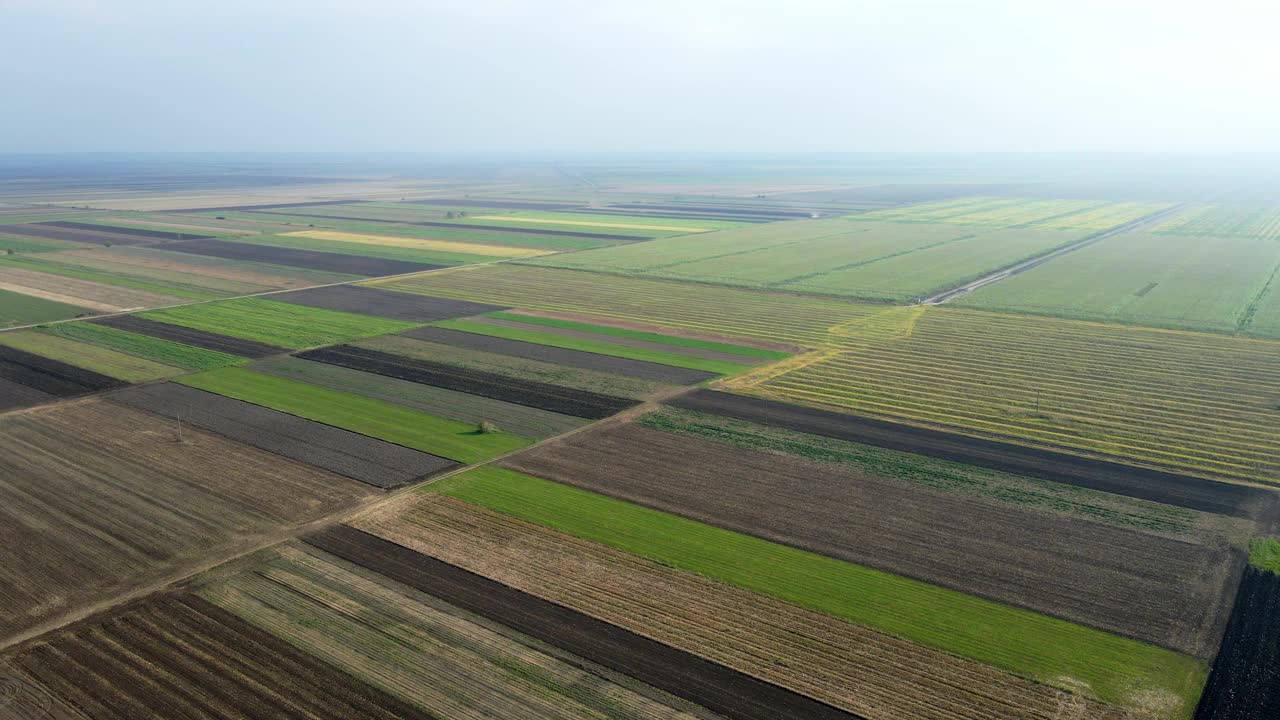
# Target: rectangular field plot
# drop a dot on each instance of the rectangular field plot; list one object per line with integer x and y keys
{"x": 1191, "y": 402}
{"x": 213, "y": 342}
{"x": 293, "y": 257}
{"x": 725, "y": 312}
{"x": 874, "y": 675}
{"x": 473, "y": 252}
{"x": 181, "y": 656}
{"x": 1019, "y": 641}
{"x": 1193, "y": 283}
{"x": 347, "y": 616}
{"x": 1077, "y": 215}
{"x": 215, "y": 274}
{"x": 177, "y": 355}
{"x": 88, "y": 515}
{"x": 15, "y": 395}
{"x": 384, "y": 303}
{"x": 363, "y": 250}
{"x": 1070, "y": 568}
{"x": 605, "y": 224}
{"x": 20, "y": 277}
{"x": 378, "y": 463}
{"x": 465, "y": 407}
{"x": 277, "y": 323}
{"x": 50, "y": 376}
{"x": 92, "y": 237}
{"x": 129, "y": 232}
{"x": 629, "y": 335}
{"x": 513, "y": 388}
{"x": 462, "y": 442}
{"x": 711, "y": 685}
{"x": 1261, "y": 222}
{"x": 19, "y": 308}
{"x": 95, "y": 358}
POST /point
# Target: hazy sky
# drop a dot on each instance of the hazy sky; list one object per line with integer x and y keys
{"x": 808, "y": 75}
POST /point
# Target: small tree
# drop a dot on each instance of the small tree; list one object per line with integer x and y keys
{"x": 485, "y": 427}
{"x": 8, "y": 251}
{"x": 450, "y": 215}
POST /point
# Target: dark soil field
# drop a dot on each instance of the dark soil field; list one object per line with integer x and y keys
{"x": 50, "y": 376}
{"x": 714, "y": 686}
{"x": 191, "y": 336}
{"x": 369, "y": 460}
{"x": 42, "y": 230}
{"x": 309, "y": 259}
{"x": 578, "y": 403}
{"x": 98, "y": 499}
{"x": 133, "y": 233}
{"x": 562, "y": 356}
{"x": 16, "y": 395}
{"x": 1245, "y": 681}
{"x": 1164, "y": 591}
{"x": 385, "y": 303}
{"x": 494, "y": 203}
{"x": 726, "y": 210}
{"x": 1162, "y": 487}
{"x": 179, "y": 656}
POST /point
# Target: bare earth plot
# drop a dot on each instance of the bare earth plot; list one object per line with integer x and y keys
{"x": 308, "y": 259}
{"x": 87, "y": 515}
{"x": 384, "y": 303}
{"x": 190, "y": 336}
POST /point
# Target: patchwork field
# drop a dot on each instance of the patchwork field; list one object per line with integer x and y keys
{"x": 89, "y": 515}
{"x": 167, "y": 352}
{"x": 19, "y": 308}
{"x": 333, "y": 262}
{"x": 1260, "y": 222}
{"x": 277, "y": 323}
{"x": 1084, "y": 215}
{"x": 96, "y": 358}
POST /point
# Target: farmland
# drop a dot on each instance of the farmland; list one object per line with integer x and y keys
{"x": 23, "y": 309}
{"x": 277, "y": 323}
{"x": 1086, "y": 215}
{"x": 97, "y": 358}
{"x": 176, "y": 354}
{"x": 1261, "y": 222}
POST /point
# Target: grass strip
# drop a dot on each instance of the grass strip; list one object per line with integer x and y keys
{"x": 641, "y": 335}
{"x": 1264, "y": 554}
{"x": 277, "y": 323}
{"x": 383, "y": 420}
{"x": 163, "y": 351}
{"x": 600, "y": 348}
{"x": 1115, "y": 669}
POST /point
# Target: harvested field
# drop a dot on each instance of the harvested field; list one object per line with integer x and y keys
{"x": 87, "y": 515}
{"x": 190, "y": 336}
{"x": 50, "y": 376}
{"x": 867, "y": 673}
{"x": 1154, "y": 485}
{"x": 73, "y": 291}
{"x": 126, "y": 231}
{"x": 518, "y": 419}
{"x": 711, "y": 685}
{"x": 462, "y": 442}
{"x": 553, "y": 398}
{"x": 1113, "y": 668}
{"x": 369, "y": 460}
{"x": 384, "y": 303}
{"x": 15, "y": 395}
{"x": 447, "y": 661}
{"x": 178, "y": 355}
{"x": 310, "y": 259}
{"x": 170, "y": 285}
{"x": 1074, "y": 569}
{"x": 518, "y": 369}
{"x": 1245, "y": 682}
{"x": 1020, "y": 491}
{"x": 277, "y": 323}
{"x": 181, "y": 656}
{"x": 562, "y": 356}
{"x": 78, "y": 236}
{"x": 23, "y": 309}
{"x": 94, "y": 358}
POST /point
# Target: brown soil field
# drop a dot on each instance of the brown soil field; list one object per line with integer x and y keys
{"x": 1164, "y": 591}
{"x": 22, "y": 697}
{"x": 376, "y": 462}
{"x": 864, "y": 672}
{"x": 561, "y": 356}
{"x": 1148, "y": 484}
{"x": 385, "y": 303}
{"x": 160, "y": 260}
{"x": 179, "y": 656}
{"x": 99, "y": 296}
{"x": 191, "y": 336}
{"x": 716, "y": 687}
{"x": 449, "y": 662}
{"x": 310, "y": 259}
{"x": 97, "y": 499}
{"x": 13, "y": 395}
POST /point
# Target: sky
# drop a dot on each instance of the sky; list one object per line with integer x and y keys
{"x": 639, "y": 76}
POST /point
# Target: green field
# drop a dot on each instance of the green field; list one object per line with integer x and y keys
{"x": 464, "y": 407}
{"x": 1193, "y": 283}
{"x": 1261, "y": 222}
{"x": 673, "y": 359}
{"x": 610, "y": 331}
{"x": 882, "y": 261}
{"x": 276, "y": 323}
{"x": 142, "y": 346}
{"x": 992, "y": 212}
{"x": 88, "y": 356}
{"x": 385, "y": 252}
{"x": 19, "y": 309}
{"x": 394, "y": 423}
{"x": 1264, "y": 553}
{"x": 53, "y": 265}
{"x": 621, "y": 225}
{"x": 31, "y": 245}
{"x": 1116, "y": 669}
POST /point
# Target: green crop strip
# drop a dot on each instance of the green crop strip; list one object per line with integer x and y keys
{"x": 164, "y": 351}
{"x": 601, "y": 348}
{"x": 1264, "y": 553}
{"x": 376, "y": 418}
{"x": 384, "y": 252}
{"x": 641, "y": 335}
{"x": 90, "y": 357}
{"x": 277, "y": 323}
{"x": 177, "y": 290}
{"x": 1116, "y": 669}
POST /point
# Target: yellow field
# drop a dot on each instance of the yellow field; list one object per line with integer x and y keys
{"x": 442, "y": 245}
{"x": 628, "y": 226}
